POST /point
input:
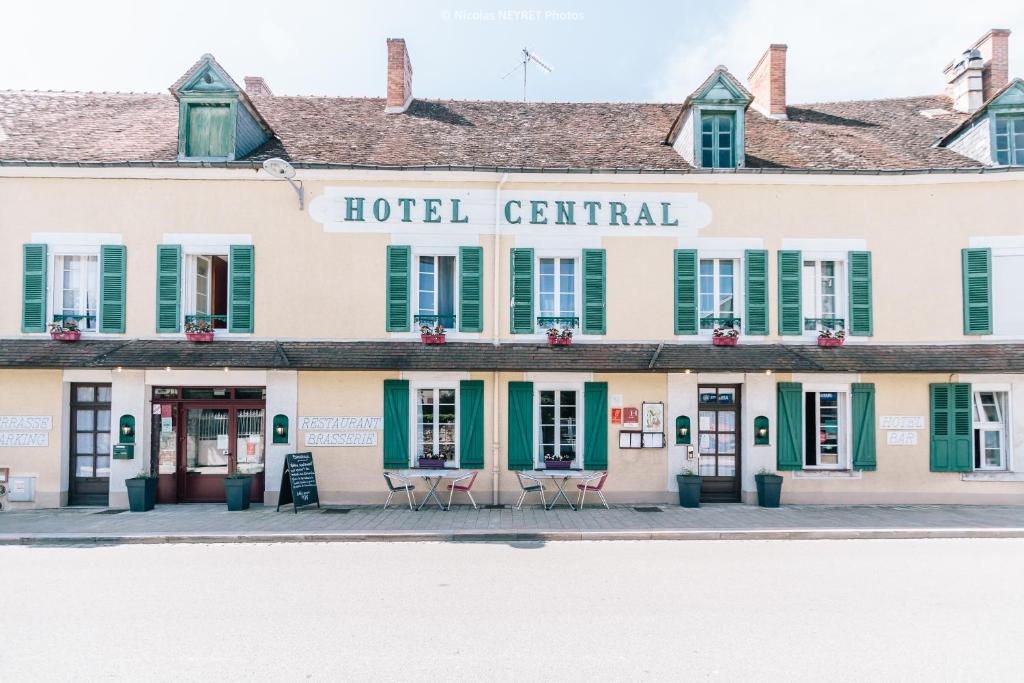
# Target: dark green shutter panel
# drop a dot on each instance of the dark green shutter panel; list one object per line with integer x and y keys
{"x": 396, "y": 424}
{"x": 595, "y": 422}
{"x": 950, "y": 428}
{"x": 860, "y": 323}
{"x": 471, "y": 424}
{"x": 112, "y": 288}
{"x": 977, "y": 276}
{"x": 755, "y": 317}
{"x": 686, "y": 291}
{"x": 593, "y": 291}
{"x": 789, "y": 446}
{"x": 522, "y": 291}
{"x": 471, "y": 289}
{"x": 520, "y": 425}
{"x": 790, "y": 321}
{"x": 240, "y": 288}
{"x": 168, "y": 288}
{"x": 398, "y": 287}
{"x": 863, "y": 426}
{"x": 33, "y": 288}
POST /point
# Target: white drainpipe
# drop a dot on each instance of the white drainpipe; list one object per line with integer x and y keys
{"x": 496, "y": 338}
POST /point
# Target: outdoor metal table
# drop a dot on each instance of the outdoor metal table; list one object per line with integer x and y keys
{"x": 432, "y": 476}
{"x": 561, "y": 478}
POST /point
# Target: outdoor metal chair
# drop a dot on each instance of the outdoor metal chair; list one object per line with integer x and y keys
{"x": 393, "y": 488}
{"x": 587, "y": 485}
{"x": 462, "y": 488}
{"x": 536, "y": 487}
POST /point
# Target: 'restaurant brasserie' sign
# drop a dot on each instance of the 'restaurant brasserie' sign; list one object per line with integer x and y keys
{"x": 367, "y": 209}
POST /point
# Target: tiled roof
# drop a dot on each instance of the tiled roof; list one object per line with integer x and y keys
{"x": 997, "y": 358}
{"x": 117, "y": 127}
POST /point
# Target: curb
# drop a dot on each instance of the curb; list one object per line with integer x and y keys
{"x": 44, "y": 539}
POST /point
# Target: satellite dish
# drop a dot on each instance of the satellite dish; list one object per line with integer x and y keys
{"x": 279, "y": 168}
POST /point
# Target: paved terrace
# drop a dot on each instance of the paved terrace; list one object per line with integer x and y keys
{"x": 213, "y": 523}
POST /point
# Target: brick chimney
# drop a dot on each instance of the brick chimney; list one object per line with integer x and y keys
{"x": 964, "y": 82}
{"x": 399, "y": 77}
{"x": 255, "y": 85}
{"x": 994, "y": 47}
{"x": 768, "y": 82}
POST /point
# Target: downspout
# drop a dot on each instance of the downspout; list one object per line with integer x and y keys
{"x": 496, "y": 340}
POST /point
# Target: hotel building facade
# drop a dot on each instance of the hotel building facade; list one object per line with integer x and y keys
{"x": 732, "y": 283}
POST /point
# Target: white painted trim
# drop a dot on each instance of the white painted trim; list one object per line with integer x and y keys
{"x": 435, "y": 243}
{"x": 558, "y": 378}
{"x": 720, "y": 378}
{"x": 827, "y": 380}
{"x": 1007, "y": 245}
{"x": 82, "y": 376}
{"x": 190, "y": 240}
{"x": 721, "y": 247}
{"x": 845, "y": 426}
{"x": 57, "y": 240}
{"x": 578, "y": 387}
{"x": 824, "y": 245}
{"x": 421, "y": 376}
{"x": 827, "y": 474}
{"x": 557, "y": 244}
{"x": 207, "y": 378}
{"x": 991, "y": 476}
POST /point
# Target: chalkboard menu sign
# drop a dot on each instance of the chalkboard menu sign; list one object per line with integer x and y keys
{"x": 298, "y": 482}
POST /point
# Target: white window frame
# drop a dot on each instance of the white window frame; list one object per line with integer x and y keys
{"x": 538, "y": 457}
{"x": 55, "y": 255}
{"x": 815, "y": 285}
{"x": 737, "y": 279}
{"x": 1004, "y": 427}
{"x": 414, "y": 389}
{"x": 189, "y": 258}
{"x": 845, "y": 422}
{"x": 435, "y": 253}
{"x": 577, "y": 258}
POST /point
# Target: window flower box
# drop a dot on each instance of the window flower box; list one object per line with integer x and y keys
{"x": 557, "y": 464}
{"x": 65, "y": 330}
{"x": 68, "y": 336}
{"x": 199, "y": 329}
{"x": 828, "y": 337}
{"x": 724, "y": 341}
{"x": 432, "y": 335}
{"x": 433, "y": 463}
{"x": 560, "y": 337}
{"x": 725, "y": 336}
{"x": 201, "y": 337}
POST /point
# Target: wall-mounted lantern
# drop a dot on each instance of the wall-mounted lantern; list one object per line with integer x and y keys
{"x": 126, "y": 431}
{"x": 280, "y": 429}
{"x": 760, "y": 430}
{"x": 682, "y": 430}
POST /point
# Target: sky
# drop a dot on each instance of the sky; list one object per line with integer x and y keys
{"x": 461, "y": 49}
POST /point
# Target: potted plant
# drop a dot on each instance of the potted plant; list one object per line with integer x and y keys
{"x": 141, "y": 491}
{"x": 432, "y": 334}
{"x": 558, "y": 461}
{"x": 829, "y": 337}
{"x": 559, "y": 337}
{"x": 197, "y": 330}
{"x": 237, "y": 488}
{"x": 431, "y": 460}
{"x": 725, "y": 336}
{"x": 65, "y": 330}
{"x": 769, "y": 488}
{"x": 689, "y": 488}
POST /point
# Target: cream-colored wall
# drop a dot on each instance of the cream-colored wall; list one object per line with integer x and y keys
{"x": 37, "y": 392}
{"x": 313, "y": 284}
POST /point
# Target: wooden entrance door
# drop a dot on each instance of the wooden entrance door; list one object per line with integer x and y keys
{"x": 718, "y": 443}
{"x": 89, "y": 483}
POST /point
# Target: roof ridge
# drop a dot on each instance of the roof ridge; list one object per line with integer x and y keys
{"x": 877, "y": 99}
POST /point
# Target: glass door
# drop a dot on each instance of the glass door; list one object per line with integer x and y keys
{"x": 207, "y": 454}
{"x": 90, "y": 444}
{"x": 718, "y": 443}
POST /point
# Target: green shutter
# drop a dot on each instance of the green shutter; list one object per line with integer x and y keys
{"x": 168, "y": 288}
{"x": 398, "y": 287}
{"x": 112, "y": 288}
{"x": 471, "y": 289}
{"x": 520, "y": 425}
{"x": 522, "y": 291}
{"x": 33, "y": 288}
{"x": 396, "y": 424}
{"x": 863, "y": 426}
{"x": 593, "y": 291}
{"x": 755, "y": 317}
{"x": 977, "y": 276}
{"x": 950, "y": 427}
{"x": 595, "y": 422}
{"x": 686, "y": 291}
{"x": 471, "y": 424}
{"x": 240, "y": 288}
{"x": 860, "y": 323}
{"x": 790, "y": 420}
{"x": 790, "y": 321}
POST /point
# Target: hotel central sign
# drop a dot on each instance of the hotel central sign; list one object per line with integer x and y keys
{"x": 366, "y": 209}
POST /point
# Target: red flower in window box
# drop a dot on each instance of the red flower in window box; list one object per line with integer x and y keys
{"x": 725, "y": 336}
{"x": 432, "y": 335}
{"x": 199, "y": 331}
{"x": 65, "y": 330}
{"x": 561, "y": 337}
{"x": 829, "y": 337}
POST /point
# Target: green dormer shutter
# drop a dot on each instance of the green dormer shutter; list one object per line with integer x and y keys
{"x": 241, "y": 288}
{"x": 168, "y": 288}
{"x": 210, "y": 131}
{"x": 471, "y": 289}
{"x": 112, "y": 288}
{"x": 790, "y": 321}
{"x": 33, "y": 288}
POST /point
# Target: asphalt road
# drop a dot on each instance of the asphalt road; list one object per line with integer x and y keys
{"x": 927, "y": 610}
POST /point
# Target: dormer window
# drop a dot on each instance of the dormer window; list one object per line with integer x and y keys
{"x": 1009, "y": 140}
{"x": 708, "y": 132}
{"x": 209, "y": 130}
{"x": 717, "y": 140}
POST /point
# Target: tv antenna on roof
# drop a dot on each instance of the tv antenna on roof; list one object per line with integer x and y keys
{"x": 527, "y": 58}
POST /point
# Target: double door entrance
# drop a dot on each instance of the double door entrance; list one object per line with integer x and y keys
{"x": 201, "y": 435}
{"x": 718, "y": 443}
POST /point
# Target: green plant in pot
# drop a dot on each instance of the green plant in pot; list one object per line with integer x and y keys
{"x": 769, "y": 488}
{"x": 237, "y": 487}
{"x": 689, "y": 488}
{"x": 141, "y": 491}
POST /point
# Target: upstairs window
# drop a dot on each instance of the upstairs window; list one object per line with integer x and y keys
{"x": 209, "y": 131}
{"x": 1009, "y": 140}
{"x": 717, "y": 285}
{"x": 717, "y": 148}
{"x": 990, "y": 442}
{"x": 556, "y": 289}
{"x": 436, "y": 296}
{"x": 76, "y": 289}
{"x": 207, "y": 297}
{"x": 823, "y": 300}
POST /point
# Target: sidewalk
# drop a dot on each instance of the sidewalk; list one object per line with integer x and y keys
{"x": 214, "y": 524}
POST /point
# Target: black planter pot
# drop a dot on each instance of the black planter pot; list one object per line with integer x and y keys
{"x": 236, "y": 490}
{"x": 769, "y": 490}
{"x": 141, "y": 494}
{"x": 689, "y": 490}
{"x": 557, "y": 464}
{"x": 430, "y": 463}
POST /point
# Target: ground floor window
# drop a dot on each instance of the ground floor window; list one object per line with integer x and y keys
{"x": 558, "y": 425}
{"x": 990, "y": 430}
{"x": 436, "y": 424}
{"x": 825, "y": 429}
